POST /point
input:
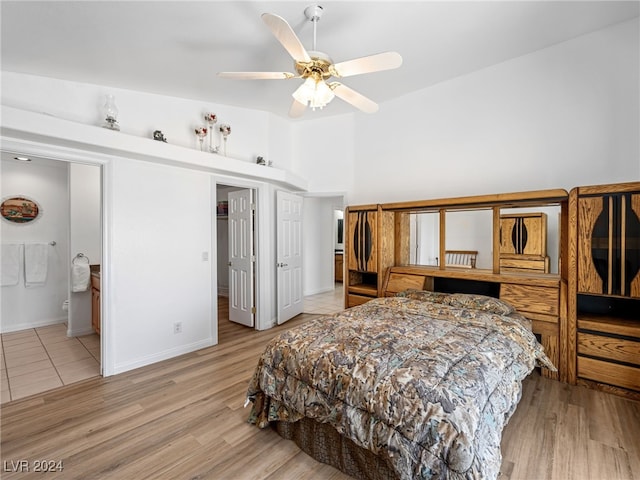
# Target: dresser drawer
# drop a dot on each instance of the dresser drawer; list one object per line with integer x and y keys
{"x": 611, "y": 373}
{"x": 533, "y": 299}
{"x": 617, "y": 349}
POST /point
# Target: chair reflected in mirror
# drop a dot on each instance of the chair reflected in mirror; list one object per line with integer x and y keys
{"x": 460, "y": 258}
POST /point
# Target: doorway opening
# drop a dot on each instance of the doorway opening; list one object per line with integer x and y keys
{"x": 236, "y": 245}
{"x": 46, "y": 331}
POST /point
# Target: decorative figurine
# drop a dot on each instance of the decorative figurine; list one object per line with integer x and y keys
{"x": 111, "y": 113}
{"x": 211, "y": 119}
{"x": 261, "y": 161}
{"x": 225, "y": 130}
{"x": 201, "y": 132}
{"x": 158, "y": 135}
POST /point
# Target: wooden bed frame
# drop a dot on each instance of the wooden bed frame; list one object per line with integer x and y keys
{"x": 516, "y": 273}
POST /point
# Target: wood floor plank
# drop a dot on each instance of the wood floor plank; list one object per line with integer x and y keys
{"x": 608, "y": 462}
{"x": 184, "y": 419}
{"x": 572, "y": 429}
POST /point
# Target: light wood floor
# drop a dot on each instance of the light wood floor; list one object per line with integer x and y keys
{"x": 184, "y": 419}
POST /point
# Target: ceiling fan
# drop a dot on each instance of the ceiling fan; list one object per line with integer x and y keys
{"x": 316, "y": 68}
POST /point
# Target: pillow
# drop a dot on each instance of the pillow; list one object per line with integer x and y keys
{"x": 482, "y": 303}
{"x": 424, "y": 295}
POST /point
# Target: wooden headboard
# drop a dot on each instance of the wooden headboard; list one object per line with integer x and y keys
{"x": 396, "y": 282}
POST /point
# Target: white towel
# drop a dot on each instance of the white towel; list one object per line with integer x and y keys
{"x": 10, "y": 264}
{"x": 80, "y": 275}
{"x": 36, "y": 261}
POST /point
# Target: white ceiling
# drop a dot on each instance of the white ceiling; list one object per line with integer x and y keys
{"x": 176, "y": 48}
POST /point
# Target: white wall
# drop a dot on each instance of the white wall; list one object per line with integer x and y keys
{"x": 160, "y": 227}
{"x": 46, "y": 184}
{"x": 253, "y": 132}
{"x": 560, "y": 117}
{"x": 318, "y": 237}
{"x": 323, "y": 152}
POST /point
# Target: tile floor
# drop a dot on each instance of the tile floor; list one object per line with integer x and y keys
{"x": 40, "y": 359}
{"x": 328, "y": 302}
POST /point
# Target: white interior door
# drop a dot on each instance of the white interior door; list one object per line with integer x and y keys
{"x": 241, "y": 257}
{"x": 289, "y": 255}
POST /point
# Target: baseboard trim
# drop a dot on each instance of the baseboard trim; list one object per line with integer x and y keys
{"x": 26, "y": 326}
{"x": 160, "y": 356}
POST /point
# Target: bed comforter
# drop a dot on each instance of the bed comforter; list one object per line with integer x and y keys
{"x": 426, "y": 381}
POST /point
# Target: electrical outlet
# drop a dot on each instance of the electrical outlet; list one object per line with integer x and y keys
{"x": 177, "y": 327}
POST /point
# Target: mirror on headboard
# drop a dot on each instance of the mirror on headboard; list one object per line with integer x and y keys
{"x": 424, "y": 238}
{"x": 465, "y": 231}
{"x": 469, "y": 231}
{"x": 530, "y": 239}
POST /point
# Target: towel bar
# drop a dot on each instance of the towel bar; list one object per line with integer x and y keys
{"x": 80, "y": 256}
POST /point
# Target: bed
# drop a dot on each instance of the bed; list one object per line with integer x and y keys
{"x": 415, "y": 386}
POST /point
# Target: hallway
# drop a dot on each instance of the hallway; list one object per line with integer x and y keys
{"x": 325, "y": 303}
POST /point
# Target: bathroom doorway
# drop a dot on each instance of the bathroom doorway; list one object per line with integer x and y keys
{"x": 46, "y": 331}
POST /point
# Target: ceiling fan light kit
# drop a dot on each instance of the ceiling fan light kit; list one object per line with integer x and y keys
{"x": 314, "y": 93}
{"x": 316, "y": 68}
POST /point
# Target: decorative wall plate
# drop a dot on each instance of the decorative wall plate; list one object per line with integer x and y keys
{"x": 20, "y": 209}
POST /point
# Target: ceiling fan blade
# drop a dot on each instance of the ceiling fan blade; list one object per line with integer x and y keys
{"x": 286, "y": 36}
{"x": 372, "y": 63}
{"x": 354, "y": 98}
{"x": 257, "y": 75}
{"x": 297, "y": 109}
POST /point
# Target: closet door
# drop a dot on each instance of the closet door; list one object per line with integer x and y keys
{"x": 241, "y": 258}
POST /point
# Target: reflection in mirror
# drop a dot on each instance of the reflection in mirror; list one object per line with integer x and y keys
{"x": 530, "y": 239}
{"x": 471, "y": 230}
{"x": 464, "y": 230}
{"x": 424, "y": 234}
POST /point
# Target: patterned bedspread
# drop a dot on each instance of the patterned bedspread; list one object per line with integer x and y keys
{"x": 425, "y": 380}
